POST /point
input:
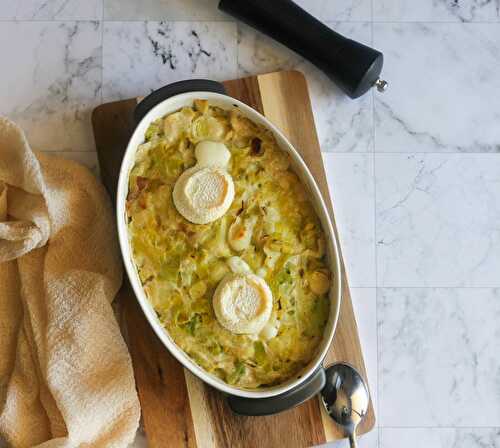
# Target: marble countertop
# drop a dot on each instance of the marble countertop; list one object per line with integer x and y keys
{"x": 414, "y": 173}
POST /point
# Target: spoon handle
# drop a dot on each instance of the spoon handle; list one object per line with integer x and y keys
{"x": 353, "y": 440}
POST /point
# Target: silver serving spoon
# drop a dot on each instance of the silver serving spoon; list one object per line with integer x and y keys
{"x": 346, "y": 398}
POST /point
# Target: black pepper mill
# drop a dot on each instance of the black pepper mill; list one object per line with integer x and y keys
{"x": 354, "y": 67}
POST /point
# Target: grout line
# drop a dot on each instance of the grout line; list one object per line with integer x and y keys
{"x": 435, "y": 153}
{"x": 440, "y": 427}
{"x": 430, "y": 287}
{"x": 450, "y": 22}
{"x": 413, "y": 153}
{"x": 156, "y": 19}
{"x": 377, "y": 408}
{"x": 423, "y": 153}
{"x": 383, "y": 287}
{"x": 374, "y": 173}
{"x": 93, "y": 19}
{"x": 69, "y": 19}
{"x": 229, "y": 20}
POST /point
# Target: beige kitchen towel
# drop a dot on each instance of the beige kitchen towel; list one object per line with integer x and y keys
{"x": 66, "y": 378}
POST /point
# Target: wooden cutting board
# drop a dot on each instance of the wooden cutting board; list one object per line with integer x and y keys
{"x": 178, "y": 409}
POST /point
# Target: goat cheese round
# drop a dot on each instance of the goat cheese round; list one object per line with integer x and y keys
{"x": 209, "y": 153}
{"x": 243, "y": 303}
{"x": 204, "y": 194}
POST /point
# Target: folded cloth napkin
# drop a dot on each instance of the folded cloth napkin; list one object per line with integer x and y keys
{"x": 66, "y": 378}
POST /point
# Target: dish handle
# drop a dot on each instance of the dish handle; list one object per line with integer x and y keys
{"x": 176, "y": 88}
{"x": 272, "y": 405}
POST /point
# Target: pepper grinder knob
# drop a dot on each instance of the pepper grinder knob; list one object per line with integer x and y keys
{"x": 381, "y": 85}
{"x": 354, "y": 67}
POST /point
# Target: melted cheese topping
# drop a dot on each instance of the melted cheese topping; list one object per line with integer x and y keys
{"x": 209, "y": 153}
{"x": 203, "y": 195}
{"x": 243, "y": 303}
{"x": 205, "y": 192}
{"x": 271, "y": 229}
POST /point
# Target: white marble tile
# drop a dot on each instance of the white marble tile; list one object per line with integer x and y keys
{"x": 163, "y": 10}
{"x": 436, "y": 10}
{"x": 51, "y": 81}
{"x": 443, "y": 88}
{"x": 369, "y": 440}
{"x": 139, "y": 57}
{"x": 326, "y": 10}
{"x": 343, "y": 125}
{"x": 364, "y": 301}
{"x": 51, "y": 9}
{"x": 351, "y": 183}
{"x": 438, "y": 219}
{"x": 439, "y": 438}
{"x": 438, "y": 357}
{"x": 207, "y": 9}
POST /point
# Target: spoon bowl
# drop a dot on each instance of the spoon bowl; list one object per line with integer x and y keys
{"x": 345, "y": 397}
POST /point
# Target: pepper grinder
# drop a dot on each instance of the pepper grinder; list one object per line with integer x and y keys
{"x": 354, "y": 67}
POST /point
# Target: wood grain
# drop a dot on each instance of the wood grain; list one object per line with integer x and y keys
{"x": 160, "y": 382}
{"x": 178, "y": 409}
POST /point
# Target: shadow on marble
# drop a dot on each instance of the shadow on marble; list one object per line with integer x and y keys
{"x": 438, "y": 357}
{"x": 443, "y": 78}
{"x": 351, "y": 183}
{"x": 139, "y": 57}
{"x": 436, "y": 10}
{"x": 439, "y": 437}
{"x": 52, "y": 81}
{"x": 437, "y": 220}
{"x": 207, "y": 9}
{"x": 343, "y": 124}
{"x": 51, "y": 9}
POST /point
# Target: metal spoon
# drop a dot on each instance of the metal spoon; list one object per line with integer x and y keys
{"x": 346, "y": 398}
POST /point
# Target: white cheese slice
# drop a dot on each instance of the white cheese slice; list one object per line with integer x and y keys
{"x": 243, "y": 303}
{"x": 203, "y": 195}
{"x": 212, "y": 154}
{"x": 205, "y": 192}
{"x": 270, "y": 330}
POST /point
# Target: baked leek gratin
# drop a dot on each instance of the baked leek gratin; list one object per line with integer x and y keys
{"x": 227, "y": 245}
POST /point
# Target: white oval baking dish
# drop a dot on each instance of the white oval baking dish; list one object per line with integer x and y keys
{"x": 308, "y": 382}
